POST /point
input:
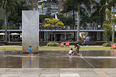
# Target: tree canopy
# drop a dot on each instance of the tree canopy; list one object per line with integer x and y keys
{"x": 53, "y": 22}
{"x": 8, "y": 5}
{"x": 107, "y": 25}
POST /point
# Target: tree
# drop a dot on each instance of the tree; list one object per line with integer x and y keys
{"x": 52, "y": 22}
{"x": 109, "y": 4}
{"x": 78, "y": 2}
{"x": 98, "y": 15}
{"x": 8, "y": 5}
{"x": 108, "y": 29}
{"x": 114, "y": 20}
{"x": 84, "y": 15}
{"x": 70, "y": 8}
{"x": 112, "y": 3}
{"x": 107, "y": 25}
{"x": 66, "y": 20}
{"x": 16, "y": 15}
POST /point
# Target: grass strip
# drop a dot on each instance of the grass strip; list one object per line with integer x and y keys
{"x": 56, "y": 48}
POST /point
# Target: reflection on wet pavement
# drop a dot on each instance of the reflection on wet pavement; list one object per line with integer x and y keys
{"x": 8, "y": 61}
{"x": 89, "y": 59}
{"x": 58, "y": 59}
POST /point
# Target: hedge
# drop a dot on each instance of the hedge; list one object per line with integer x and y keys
{"x": 52, "y": 44}
{"x": 107, "y": 45}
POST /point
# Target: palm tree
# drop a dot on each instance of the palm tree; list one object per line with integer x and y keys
{"x": 83, "y": 13}
{"x": 78, "y": 2}
{"x": 112, "y": 3}
{"x": 8, "y": 6}
{"x": 98, "y": 14}
{"x": 16, "y": 16}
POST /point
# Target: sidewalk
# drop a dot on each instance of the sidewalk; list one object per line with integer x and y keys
{"x": 57, "y": 72}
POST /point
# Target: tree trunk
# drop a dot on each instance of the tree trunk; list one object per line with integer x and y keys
{"x": 113, "y": 32}
{"x": 78, "y": 22}
{"x": 40, "y": 32}
{"x": 51, "y": 33}
{"x": 5, "y": 26}
{"x": 113, "y": 28}
{"x": 73, "y": 16}
{"x": 108, "y": 39}
{"x": 106, "y": 14}
{"x": 55, "y": 34}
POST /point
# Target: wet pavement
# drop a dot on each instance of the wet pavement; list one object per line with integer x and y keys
{"x": 58, "y": 59}
{"x": 7, "y": 59}
{"x": 89, "y": 59}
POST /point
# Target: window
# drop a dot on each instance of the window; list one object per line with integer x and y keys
{"x": 68, "y": 14}
{"x": 65, "y": 14}
{"x": 33, "y": 3}
{"x": 60, "y": 9}
{"x": 62, "y": 1}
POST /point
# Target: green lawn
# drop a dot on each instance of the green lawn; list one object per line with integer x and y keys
{"x": 10, "y": 48}
{"x": 56, "y": 48}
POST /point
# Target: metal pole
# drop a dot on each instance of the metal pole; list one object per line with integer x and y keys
{"x": 9, "y": 36}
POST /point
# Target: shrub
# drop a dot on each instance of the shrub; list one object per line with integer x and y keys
{"x": 52, "y": 44}
{"x": 56, "y": 44}
{"x": 10, "y": 27}
{"x": 107, "y": 45}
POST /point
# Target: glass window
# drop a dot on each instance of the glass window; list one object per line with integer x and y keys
{"x": 33, "y": 3}
{"x": 62, "y": 1}
{"x": 68, "y": 14}
{"x": 65, "y": 14}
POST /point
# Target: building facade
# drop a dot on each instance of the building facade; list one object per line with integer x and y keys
{"x": 35, "y": 4}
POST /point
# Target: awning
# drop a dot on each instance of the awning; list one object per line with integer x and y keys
{"x": 2, "y": 33}
{"x": 15, "y": 34}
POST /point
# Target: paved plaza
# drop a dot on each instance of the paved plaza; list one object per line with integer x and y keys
{"x": 57, "y": 72}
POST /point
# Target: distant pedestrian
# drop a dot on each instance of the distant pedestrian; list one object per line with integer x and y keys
{"x": 82, "y": 38}
{"x": 71, "y": 51}
{"x": 30, "y": 50}
{"x": 87, "y": 40}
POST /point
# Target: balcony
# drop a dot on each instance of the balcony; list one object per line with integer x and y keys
{"x": 54, "y": 6}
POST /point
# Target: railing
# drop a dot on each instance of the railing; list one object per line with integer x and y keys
{"x": 71, "y": 28}
{"x": 60, "y": 28}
